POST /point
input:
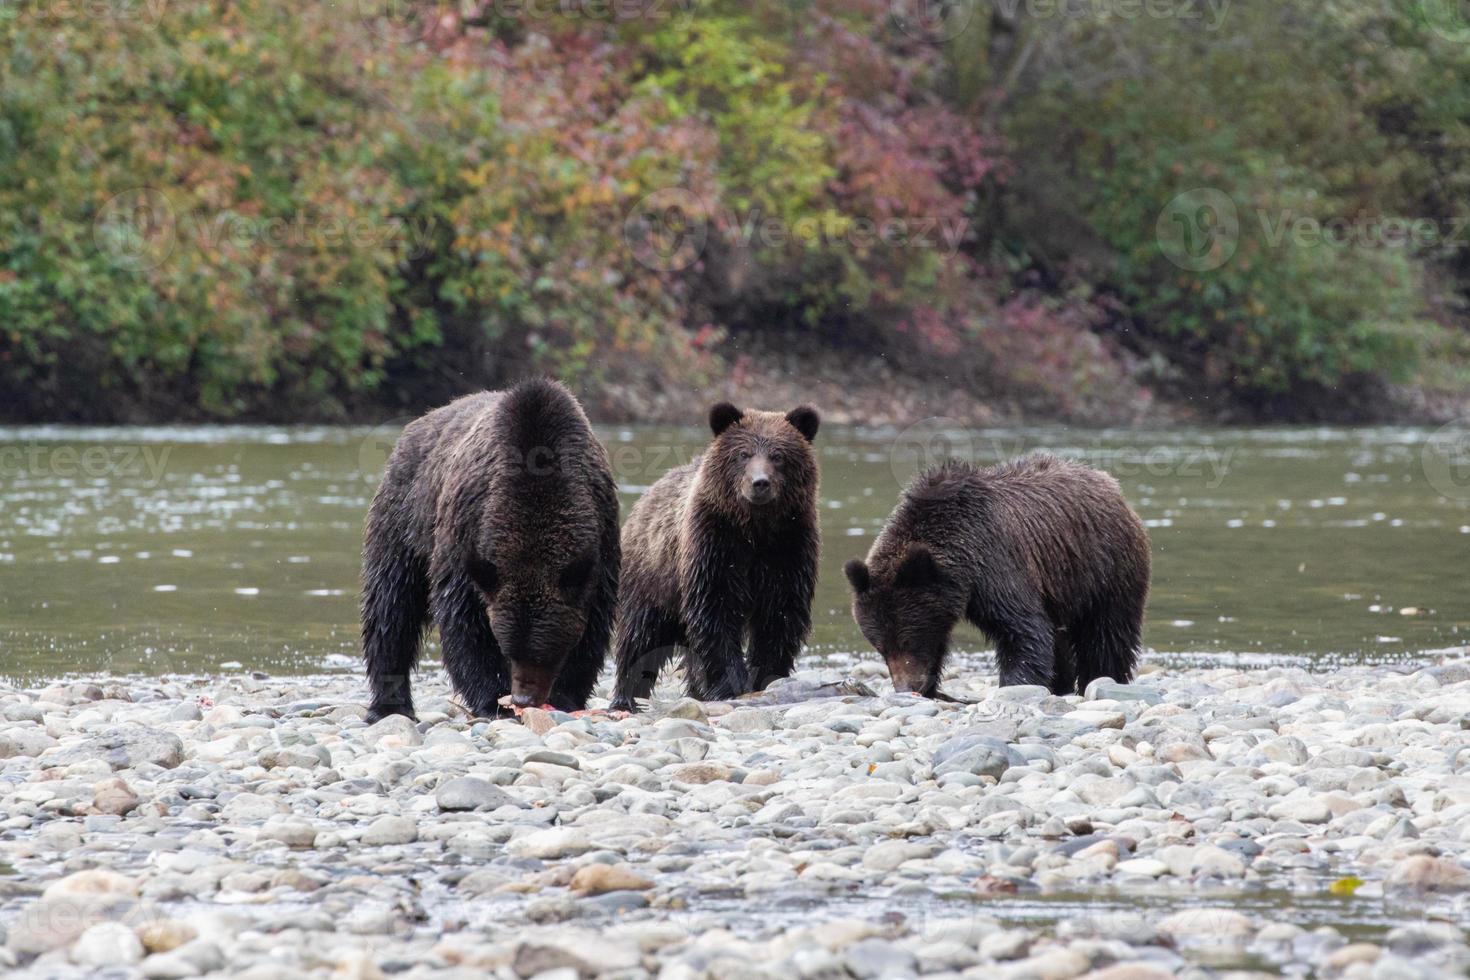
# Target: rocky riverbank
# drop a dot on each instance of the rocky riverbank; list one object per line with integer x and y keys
{"x": 1199, "y": 822}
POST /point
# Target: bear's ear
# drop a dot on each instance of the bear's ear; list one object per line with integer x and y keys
{"x": 484, "y": 574}
{"x": 918, "y": 569}
{"x": 722, "y": 415}
{"x": 806, "y": 420}
{"x": 857, "y": 574}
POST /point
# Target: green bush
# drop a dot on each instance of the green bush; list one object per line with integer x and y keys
{"x": 259, "y": 209}
{"x": 252, "y": 208}
{"x": 1244, "y": 141}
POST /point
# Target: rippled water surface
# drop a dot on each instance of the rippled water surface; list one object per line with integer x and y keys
{"x": 199, "y": 549}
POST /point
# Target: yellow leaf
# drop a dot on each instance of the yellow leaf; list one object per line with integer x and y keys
{"x": 1345, "y": 886}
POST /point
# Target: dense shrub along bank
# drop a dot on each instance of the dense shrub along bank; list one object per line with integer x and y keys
{"x": 253, "y": 209}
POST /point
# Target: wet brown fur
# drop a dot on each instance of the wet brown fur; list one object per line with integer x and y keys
{"x": 1042, "y": 554}
{"x": 705, "y": 566}
{"x": 497, "y": 519}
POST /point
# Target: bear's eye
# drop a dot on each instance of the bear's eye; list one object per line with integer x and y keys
{"x": 575, "y": 576}
{"x": 485, "y": 575}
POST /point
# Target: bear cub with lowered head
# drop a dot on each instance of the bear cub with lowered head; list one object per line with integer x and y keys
{"x": 498, "y": 518}
{"x": 719, "y": 549}
{"x": 1044, "y": 555}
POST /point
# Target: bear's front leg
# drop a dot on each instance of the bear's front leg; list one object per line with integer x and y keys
{"x": 716, "y": 668}
{"x": 781, "y": 619}
{"x": 647, "y": 639}
{"x": 1025, "y": 653}
{"x": 715, "y": 611}
{"x": 472, "y": 658}
{"x": 395, "y": 605}
{"x": 1024, "y": 635}
{"x": 579, "y": 672}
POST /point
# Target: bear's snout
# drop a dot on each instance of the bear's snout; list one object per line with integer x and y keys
{"x": 909, "y": 675}
{"x": 759, "y": 486}
{"x": 530, "y": 685}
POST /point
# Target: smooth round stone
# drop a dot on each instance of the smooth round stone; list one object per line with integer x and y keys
{"x": 471, "y": 793}
{"x": 1147, "y": 867}
{"x": 107, "y": 944}
{"x": 388, "y": 830}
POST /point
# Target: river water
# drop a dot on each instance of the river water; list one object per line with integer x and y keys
{"x": 194, "y": 550}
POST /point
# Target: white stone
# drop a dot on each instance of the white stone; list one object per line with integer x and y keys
{"x": 557, "y": 842}
{"x": 890, "y": 854}
{"x": 1148, "y": 867}
{"x": 390, "y": 830}
{"x": 107, "y": 944}
{"x": 1211, "y": 925}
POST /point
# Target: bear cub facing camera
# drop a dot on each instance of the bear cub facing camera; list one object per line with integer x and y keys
{"x": 1043, "y": 555}
{"x": 497, "y": 519}
{"x": 721, "y": 549}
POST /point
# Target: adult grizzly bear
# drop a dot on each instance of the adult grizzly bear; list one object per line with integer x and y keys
{"x": 723, "y": 547}
{"x": 1044, "y": 555}
{"x": 498, "y": 518}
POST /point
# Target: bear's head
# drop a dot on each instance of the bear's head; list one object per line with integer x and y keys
{"x": 764, "y": 461}
{"x": 537, "y": 594}
{"x": 543, "y": 548}
{"x": 907, "y": 606}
